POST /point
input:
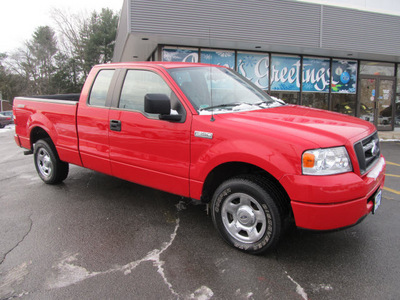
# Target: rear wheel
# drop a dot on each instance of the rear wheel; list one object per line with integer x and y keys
{"x": 246, "y": 214}
{"x": 48, "y": 165}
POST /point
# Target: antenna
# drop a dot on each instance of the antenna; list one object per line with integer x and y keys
{"x": 211, "y": 82}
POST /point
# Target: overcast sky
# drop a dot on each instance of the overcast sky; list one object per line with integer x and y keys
{"x": 385, "y": 6}
{"x": 20, "y": 18}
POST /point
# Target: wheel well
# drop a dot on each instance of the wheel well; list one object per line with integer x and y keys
{"x": 229, "y": 170}
{"x": 38, "y": 133}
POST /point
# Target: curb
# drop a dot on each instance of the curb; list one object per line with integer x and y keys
{"x": 389, "y": 136}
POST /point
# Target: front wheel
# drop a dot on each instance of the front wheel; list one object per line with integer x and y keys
{"x": 48, "y": 165}
{"x": 246, "y": 214}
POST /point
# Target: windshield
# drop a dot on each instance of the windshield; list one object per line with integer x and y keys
{"x": 220, "y": 90}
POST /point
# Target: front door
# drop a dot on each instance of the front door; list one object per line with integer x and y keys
{"x": 376, "y": 100}
{"x": 144, "y": 149}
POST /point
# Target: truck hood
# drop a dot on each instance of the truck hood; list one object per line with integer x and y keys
{"x": 323, "y": 128}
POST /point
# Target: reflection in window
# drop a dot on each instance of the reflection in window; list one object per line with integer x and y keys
{"x": 367, "y": 99}
{"x": 398, "y": 79}
{"x": 288, "y": 97}
{"x": 344, "y": 103}
{"x": 376, "y": 68}
{"x": 98, "y": 94}
{"x": 397, "y": 112}
{"x": 384, "y": 105}
{"x": 397, "y": 101}
{"x": 316, "y": 100}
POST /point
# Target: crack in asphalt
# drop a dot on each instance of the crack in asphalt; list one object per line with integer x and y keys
{"x": 21, "y": 240}
{"x": 70, "y": 273}
{"x": 15, "y": 296}
{"x": 8, "y": 178}
{"x": 90, "y": 178}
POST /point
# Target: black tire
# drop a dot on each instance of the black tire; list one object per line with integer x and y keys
{"x": 247, "y": 214}
{"x": 47, "y": 163}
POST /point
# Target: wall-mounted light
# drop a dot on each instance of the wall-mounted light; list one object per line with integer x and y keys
{"x": 258, "y": 47}
{"x": 145, "y": 39}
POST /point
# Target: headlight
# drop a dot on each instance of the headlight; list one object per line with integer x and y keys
{"x": 326, "y": 161}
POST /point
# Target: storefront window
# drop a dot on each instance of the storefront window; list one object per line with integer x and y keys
{"x": 315, "y": 82}
{"x": 282, "y": 75}
{"x": 288, "y": 97}
{"x": 376, "y": 68}
{"x": 285, "y": 78}
{"x": 218, "y": 57}
{"x": 255, "y": 67}
{"x": 316, "y": 75}
{"x": 316, "y": 100}
{"x": 344, "y": 86}
{"x": 285, "y": 73}
{"x": 180, "y": 54}
{"x": 344, "y": 76}
{"x": 344, "y": 103}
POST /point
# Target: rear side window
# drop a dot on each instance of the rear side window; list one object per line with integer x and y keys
{"x": 98, "y": 95}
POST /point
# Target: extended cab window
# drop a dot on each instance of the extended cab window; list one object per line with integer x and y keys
{"x": 98, "y": 95}
{"x": 138, "y": 83}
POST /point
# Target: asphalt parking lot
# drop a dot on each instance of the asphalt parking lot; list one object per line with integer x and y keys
{"x": 98, "y": 237}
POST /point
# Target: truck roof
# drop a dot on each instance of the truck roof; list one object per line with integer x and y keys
{"x": 163, "y": 64}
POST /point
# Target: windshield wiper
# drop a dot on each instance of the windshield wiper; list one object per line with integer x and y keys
{"x": 220, "y": 106}
{"x": 262, "y": 104}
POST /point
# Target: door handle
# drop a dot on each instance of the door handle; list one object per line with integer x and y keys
{"x": 115, "y": 125}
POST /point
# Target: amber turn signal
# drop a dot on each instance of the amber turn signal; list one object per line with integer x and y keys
{"x": 308, "y": 160}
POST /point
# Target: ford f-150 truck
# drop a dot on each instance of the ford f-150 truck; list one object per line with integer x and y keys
{"x": 206, "y": 133}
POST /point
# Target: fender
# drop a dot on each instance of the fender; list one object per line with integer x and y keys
{"x": 261, "y": 155}
{"x": 38, "y": 120}
{"x": 60, "y": 129}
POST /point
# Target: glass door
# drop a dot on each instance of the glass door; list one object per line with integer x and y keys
{"x": 376, "y": 99}
{"x": 385, "y": 103}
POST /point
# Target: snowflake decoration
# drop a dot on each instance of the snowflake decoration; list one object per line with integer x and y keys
{"x": 249, "y": 61}
{"x": 224, "y": 53}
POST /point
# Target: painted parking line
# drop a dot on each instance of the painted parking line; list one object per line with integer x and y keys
{"x": 391, "y": 190}
{"x": 392, "y": 175}
{"x": 392, "y": 163}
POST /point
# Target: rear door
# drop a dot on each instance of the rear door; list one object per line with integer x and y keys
{"x": 92, "y": 122}
{"x": 144, "y": 149}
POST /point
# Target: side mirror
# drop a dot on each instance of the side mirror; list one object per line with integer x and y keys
{"x": 160, "y": 104}
{"x": 157, "y": 104}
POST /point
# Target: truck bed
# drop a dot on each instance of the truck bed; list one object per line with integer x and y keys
{"x": 53, "y": 115}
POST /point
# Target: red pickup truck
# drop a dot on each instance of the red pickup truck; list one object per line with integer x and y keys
{"x": 206, "y": 133}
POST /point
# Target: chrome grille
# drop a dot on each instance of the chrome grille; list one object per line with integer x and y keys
{"x": 368, "y": 152}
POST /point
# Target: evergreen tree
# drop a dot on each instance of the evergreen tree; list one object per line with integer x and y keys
{"x": 99, "y": 38}
{"x": 41, "y": 59}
